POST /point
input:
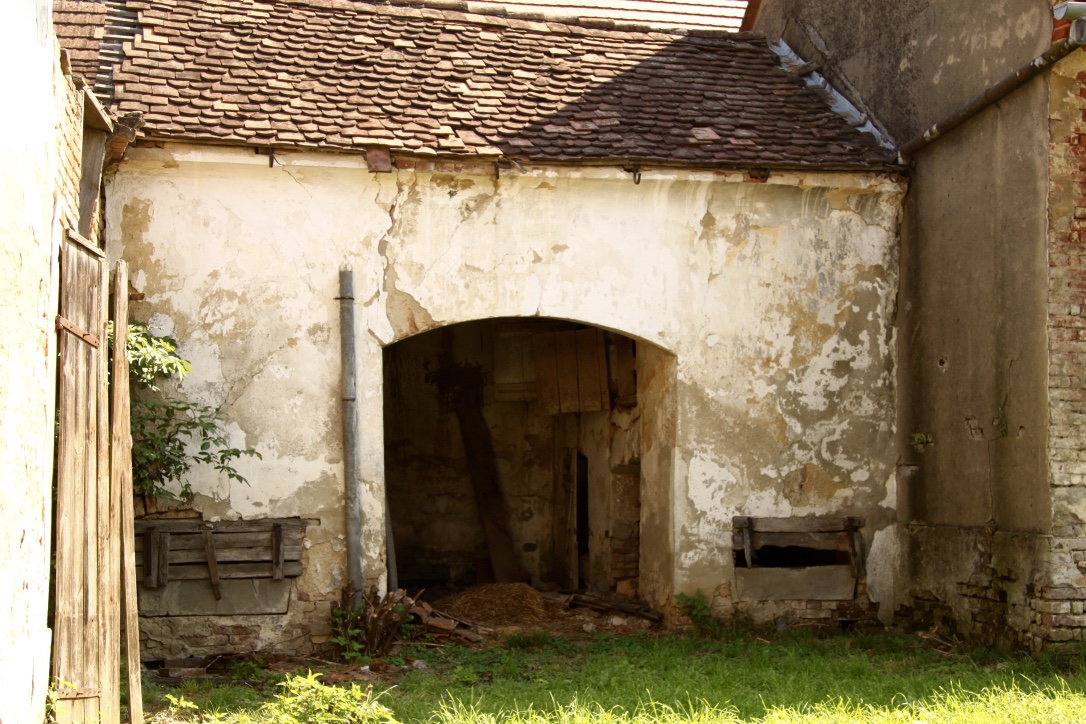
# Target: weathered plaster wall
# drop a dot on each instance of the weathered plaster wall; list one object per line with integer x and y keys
{"x": 769, "y": 304}
{"x": 974, "y": 293}
{"x": 33, "y": 162}
{"x": 912, "y": 62}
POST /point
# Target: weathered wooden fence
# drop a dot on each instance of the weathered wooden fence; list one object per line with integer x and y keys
{"x": 89, "y": 509}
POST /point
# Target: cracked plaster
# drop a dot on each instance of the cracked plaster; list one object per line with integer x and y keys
{"x": 776, "y": 299}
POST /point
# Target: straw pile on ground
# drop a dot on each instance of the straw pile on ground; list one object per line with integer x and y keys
{"x": 498, "y": 605}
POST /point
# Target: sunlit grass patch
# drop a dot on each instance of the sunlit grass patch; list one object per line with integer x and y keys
{"x": 865, "y": 678}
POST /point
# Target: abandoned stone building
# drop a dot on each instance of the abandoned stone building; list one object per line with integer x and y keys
{"x": 623, "y": 310}
{"x": 617, "y": 307}
{"x": 786, "y": 313}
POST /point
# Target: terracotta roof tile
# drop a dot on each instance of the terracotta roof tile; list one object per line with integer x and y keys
{"x": 80, "y": 27}
{"x": 333, "y": 74}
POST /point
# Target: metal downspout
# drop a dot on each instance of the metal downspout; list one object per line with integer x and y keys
{"x": 1000, "y": 90}
{"x": 351, "y": 480}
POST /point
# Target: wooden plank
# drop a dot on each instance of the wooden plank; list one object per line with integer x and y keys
{"x": 199, "y": 572}
{"x": 72, "y": 635}
{"x": 562, "y": 483}
{"x": 748, "y": 547}
{"x": 121, "y": 489}
{"x": 86, "y": 649}
{"x": 92, "y": 640}
{"x": 565, "y": 353}
{"x": 821, "y": 583}
{"x": 66, "y": 623}
{"x": 483, "y": 471}
{"x": 84, "y": 244}
{"x": 292, "y": 537}
{"x": 150, "y": 557}
{"x": 546, "y": 373}
{"x": 240, "y": 597}
{"x": 163, "y": 563}
{"x": 232, "y": 526}
{"x": 625, "y": 371}
{"x": 572, "y": 549}
{"x": 799, "y": 525}
{"x": 838, "y": 541}
{"x": 90, "y": 182}
{"x": 856, "y": 545}
{"x": 212, "y": 564}
{"x": 601, "y": 372}
{"x": 588, "y": 371}
{"x": 108, "y": 529}
{"x": 278, "y": 554}
{"x": 230, "y": 555}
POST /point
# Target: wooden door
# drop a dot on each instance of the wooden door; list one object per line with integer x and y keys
{"x": 86, "y": 626}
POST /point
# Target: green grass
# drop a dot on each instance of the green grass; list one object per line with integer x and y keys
{"x": 862, "y": 678}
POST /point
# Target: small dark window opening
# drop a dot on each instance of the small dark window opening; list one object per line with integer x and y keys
{"x": 797, "y": 542}
{"x": 792, "y": 557}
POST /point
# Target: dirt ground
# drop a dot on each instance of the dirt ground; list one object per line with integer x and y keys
{"x": 510, "y": 608}
{"x": 491, "y": 612}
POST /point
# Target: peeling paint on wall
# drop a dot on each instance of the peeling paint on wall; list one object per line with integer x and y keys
{"x": 773, "y": 300}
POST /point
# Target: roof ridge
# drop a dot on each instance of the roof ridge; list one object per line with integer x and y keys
{"x": 492, "y": 14}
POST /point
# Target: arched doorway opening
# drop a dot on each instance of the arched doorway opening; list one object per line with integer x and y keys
{"x": 514, "y": 451}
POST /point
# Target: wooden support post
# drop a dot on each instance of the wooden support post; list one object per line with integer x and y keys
{"x": 483, "y": 470}
{"x": 163, "y": 558}
{"x": 121, "y": 492}
{"x": 150, "y": 557}
{"x": 212, "y": 563}
{"x": 277, "y": 552}
{"x": 748, "y": 549}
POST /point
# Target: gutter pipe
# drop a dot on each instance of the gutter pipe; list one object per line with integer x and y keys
{"x": 351, "y": 480}
{"x": 1000, "y": 90}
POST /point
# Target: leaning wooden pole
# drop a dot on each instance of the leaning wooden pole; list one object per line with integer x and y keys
{"x": 121, "y": 477}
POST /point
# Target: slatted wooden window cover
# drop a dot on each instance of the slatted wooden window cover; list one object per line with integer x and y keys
{"x": 192, "y": 550}
{"x": 819, "y": 533}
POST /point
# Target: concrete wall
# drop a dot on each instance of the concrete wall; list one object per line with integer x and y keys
{"x": 33, "y": 161}
{"x": 973, "y": 395}
{"x": 767, "y": 308}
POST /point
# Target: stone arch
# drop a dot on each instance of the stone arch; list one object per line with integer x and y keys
{"x": 528, "y": 435}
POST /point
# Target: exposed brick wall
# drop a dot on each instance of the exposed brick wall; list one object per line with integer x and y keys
{"x": 1058, "y": 605}
{"x": 70, "y": 150}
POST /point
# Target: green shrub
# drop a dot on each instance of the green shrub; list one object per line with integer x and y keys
{"x": 305, "y": 700}
{"x": 165, "y": 430}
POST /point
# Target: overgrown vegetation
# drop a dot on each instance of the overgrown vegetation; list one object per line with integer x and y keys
{"x": 697, "y": 609}
{"x": 302, "y": 699}
{"x": 369, "y": 629}
{"x": 169, "y": 434}
{"x": 760, "y": 678}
